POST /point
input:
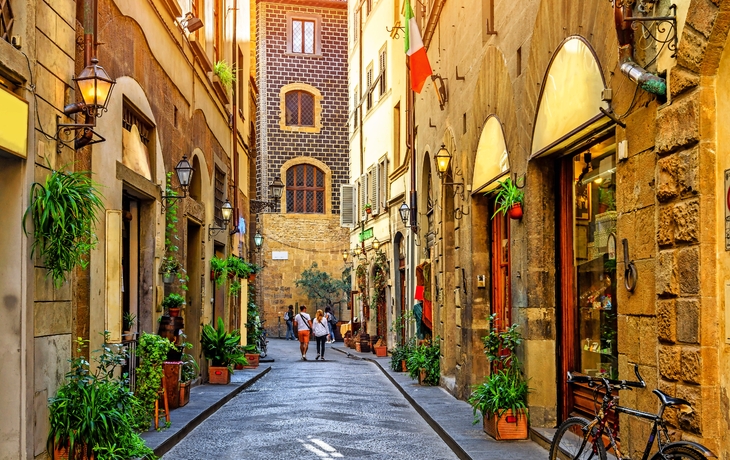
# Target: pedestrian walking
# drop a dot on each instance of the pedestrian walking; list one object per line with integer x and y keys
{"x": 289, "y": 318}
{"x": 321, "y": 332}
{"x": 303, "y": 323}
{"x": 331, "y": 323}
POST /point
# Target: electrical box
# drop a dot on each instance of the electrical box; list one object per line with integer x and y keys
{"x": 622, "y": 150}
{"x": 481, "y": 281}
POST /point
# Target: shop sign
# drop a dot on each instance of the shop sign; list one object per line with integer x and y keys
{"x": 727, "y": 210}
{"x": 279, "y": 255}
{"x": 366, "y": 234}
{"x": 14, "y": 122}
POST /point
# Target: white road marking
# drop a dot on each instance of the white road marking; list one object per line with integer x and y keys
{"x": 331, "y": 451}
{"x": 323, "y": 445}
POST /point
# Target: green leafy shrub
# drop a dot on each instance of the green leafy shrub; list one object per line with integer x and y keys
{"x": 425, "y": 356}
{"x": 222, "y": 347}
{"x": 64, "y": 214}
{"x": 501, "y": 391}
{"x": 152, "y": 352}
{"x": 225, "y": 73}
{"x": 94, "y": 412}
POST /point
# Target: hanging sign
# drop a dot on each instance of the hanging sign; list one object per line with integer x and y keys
{"x": 727, "y": 210}
{"x": 366, "y": 234}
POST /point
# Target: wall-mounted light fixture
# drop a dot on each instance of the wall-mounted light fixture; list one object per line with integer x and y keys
{"x": 190, "y": 22}
{"x": 276, "y": 188}
{"x": 226, "y": 211}
{"x": 258, "y": 240}
{"x": 95, "y": 86}
{"x": 375, "y": 244}
{"x": 405, "y": 216}
{"x": 184, "y": 172}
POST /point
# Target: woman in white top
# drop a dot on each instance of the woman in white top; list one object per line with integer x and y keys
{"x": 320, "y": 328}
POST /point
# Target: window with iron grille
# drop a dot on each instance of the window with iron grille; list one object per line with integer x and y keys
{"x": 220, "y": 187}
{"x": 303, "y": 35}
{"x": 299, "y": 108}
{"x": 369, "y": 102}
{"x": 305, "y": 189}
{"x": 382, "y": 82}
{"x": 6, "y": 20}
{"x": 130, "y": 117}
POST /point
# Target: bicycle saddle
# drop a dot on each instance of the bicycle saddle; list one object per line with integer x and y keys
{"x": 670, "y": 401}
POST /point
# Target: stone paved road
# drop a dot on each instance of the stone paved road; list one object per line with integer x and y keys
{"x": 341, "y": 408}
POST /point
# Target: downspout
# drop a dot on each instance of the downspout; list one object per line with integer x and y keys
{"x": 359, "y": 107}
{"x": 234, "y": 130}
{"x": 90, "y": 29}
{"x": 625, "y": 34}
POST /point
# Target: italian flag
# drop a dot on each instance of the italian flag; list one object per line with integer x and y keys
{"x": 417, "y": 57}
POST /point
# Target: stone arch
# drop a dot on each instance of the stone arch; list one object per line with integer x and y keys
{"x": 317, "y": 164}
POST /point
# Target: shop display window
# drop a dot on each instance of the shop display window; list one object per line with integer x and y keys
{"x": 594, "y": 249}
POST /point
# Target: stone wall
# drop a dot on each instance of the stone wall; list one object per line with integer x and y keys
{"x": 307, "y": 239}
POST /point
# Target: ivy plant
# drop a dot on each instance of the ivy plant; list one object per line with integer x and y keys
{"x": 64, "y": 214}
{"x": 152, "y": 352}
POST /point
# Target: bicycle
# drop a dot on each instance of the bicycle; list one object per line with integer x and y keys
{"x": 578, "y": 438}
{"x": 262, "y": 341}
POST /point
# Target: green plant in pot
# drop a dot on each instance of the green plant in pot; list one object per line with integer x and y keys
{"x": 64, "y": 214}
{"x": 219, "y": 270}
{"x": 225, "y": 73}
{"x": 169, "y": 269}
{"x": 223, "y": 349}
{"x": 93, "y": 412}
{"x": 173, "y": 303}
{"x": 502, "y": 398}
{"x": 508, "y": 199}
{"x": 423, "y": 362}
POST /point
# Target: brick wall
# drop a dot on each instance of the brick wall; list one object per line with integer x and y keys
{"x": 327, "y": 73}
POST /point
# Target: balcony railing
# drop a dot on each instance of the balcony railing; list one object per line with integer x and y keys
{"x": 6, "y": 20}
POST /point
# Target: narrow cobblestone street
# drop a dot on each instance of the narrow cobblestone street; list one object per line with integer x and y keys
{"x": 304, "y": 410}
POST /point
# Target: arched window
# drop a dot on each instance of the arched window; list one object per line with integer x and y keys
{"x": 305, "y": 189}
{"x": 299, "y": 108}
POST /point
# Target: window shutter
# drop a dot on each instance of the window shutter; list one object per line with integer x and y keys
{"x": 113, "y": 275}
{"x": 347, "y": 205}
{"x": 363, "y": 192}
{"x": 376, "y": 189}
{"x": 383, "y": 187}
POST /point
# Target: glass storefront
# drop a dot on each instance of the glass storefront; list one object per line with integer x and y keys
{"x": 594, "y": 251}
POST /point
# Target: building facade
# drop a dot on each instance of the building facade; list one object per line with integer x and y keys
{"x": 301, "y": 139}
{"x": 620, "y": 257}
{"x": 167, "y": 103}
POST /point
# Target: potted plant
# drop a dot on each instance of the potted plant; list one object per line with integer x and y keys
{"x": 128, "y": 322}
{"x": 188, "y": 372}
{"x": 423, "y": 363}
{"x": 252, "y": 356}
{"x": 225, "y": 73}
{"x": 502, "y": 398}
{"x": 223, "y": 349}
{"x": 368, "y": 208}
{"x": 218, "y": 270}
{"x": 172, "y": 304}
{"x": 381, "y": 350}
{"x": 509, "y": 199}
{"x": 169, "y": 268}
{"x": 606, "y": 200}
{"x": 94, "y": 413}
{"x": 64, "y": 214}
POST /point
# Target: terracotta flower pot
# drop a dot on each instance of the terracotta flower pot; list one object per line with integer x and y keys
{"x": 218, "y": 375}
{"x": 184, "y": 393}
{"x": 515, "y": 212}
{"x": 403, "y": 365}
{"x": 253, "y": 360}
{"x": 381, "y": 351}
{"x": 173, "y": 311}
{"x": 507, "y": 427}
{"x": 61, "y": 453}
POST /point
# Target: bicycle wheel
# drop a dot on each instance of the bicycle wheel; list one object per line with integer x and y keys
{"x": 678, "y": 453}
{"x": 572, "y": 442}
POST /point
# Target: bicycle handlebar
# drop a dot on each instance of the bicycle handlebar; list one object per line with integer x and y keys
{"x": 621, "y": 384}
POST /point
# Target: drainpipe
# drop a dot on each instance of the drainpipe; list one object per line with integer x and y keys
{"x": 234, "y": 129}
{"x": 90, "y": 24}
{"x": 625, "y": 34}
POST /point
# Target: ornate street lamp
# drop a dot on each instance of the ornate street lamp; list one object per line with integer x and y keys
{"x": 226, "y": 211}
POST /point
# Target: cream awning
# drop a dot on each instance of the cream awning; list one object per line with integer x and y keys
{"x": 572, "y": 95}
{"x": 492, "y": 161}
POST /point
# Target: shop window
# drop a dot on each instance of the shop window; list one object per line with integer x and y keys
{"x": 305, "y": 189}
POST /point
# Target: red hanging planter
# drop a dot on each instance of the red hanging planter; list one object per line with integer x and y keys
{"x": 515, "y": 212}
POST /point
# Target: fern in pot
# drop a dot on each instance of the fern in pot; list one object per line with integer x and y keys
{"x": 64, "y": 214}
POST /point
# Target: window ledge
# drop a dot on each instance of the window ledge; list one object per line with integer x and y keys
{"x": 199, "y": 52}
{"x": 220, "y": 90}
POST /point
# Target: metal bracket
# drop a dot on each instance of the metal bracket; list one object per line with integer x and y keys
{"x": 67, "y": 128}
{"x": 660, "y": 25}
{"x": 258, "y": 206}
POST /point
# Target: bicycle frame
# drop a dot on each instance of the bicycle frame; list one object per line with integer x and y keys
{"x": 658, "y": 426}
